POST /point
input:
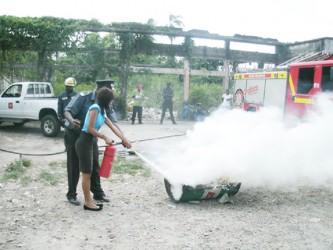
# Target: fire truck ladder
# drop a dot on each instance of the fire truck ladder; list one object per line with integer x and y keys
{"x": 306, "y": 57}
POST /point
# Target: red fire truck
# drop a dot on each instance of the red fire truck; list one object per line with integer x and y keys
{"x": 292, "y": 90}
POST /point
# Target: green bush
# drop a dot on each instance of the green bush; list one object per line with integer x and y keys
{"x": 209, "y": 95}
{"x": 202, "y": 90}
{"x": 119, "y": 105}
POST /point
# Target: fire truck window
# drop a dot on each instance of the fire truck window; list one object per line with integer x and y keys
{"x": 327, "y": 79}
{"x": 305, "y": 80}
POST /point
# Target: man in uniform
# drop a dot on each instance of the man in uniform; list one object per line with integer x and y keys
{"x": 65, "y": 97}
{"x": 167, "y": 94}
{"x": 75, "y": 113}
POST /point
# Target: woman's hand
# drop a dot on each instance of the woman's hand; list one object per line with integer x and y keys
{"x": 126, "y": 143}
{"x": 108, "y": 141}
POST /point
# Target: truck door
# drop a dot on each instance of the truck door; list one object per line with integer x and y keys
{"x": 249, "y": 91}
{"x": 327, "y": 79}
{"x": 275, "y": 91}
{"x": 11, "y": 102}
{"x": 303, "y": 85}
{"x": 254, "y": 92}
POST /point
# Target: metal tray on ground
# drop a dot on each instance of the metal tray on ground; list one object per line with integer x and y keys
{"x": 202, "y": 192}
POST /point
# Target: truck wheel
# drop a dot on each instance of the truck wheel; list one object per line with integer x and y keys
{"x": 50, "y": 126}
{"x": 251, "y": 109}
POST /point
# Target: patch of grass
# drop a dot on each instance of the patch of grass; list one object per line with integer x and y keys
{"x": 26, "y": 163}
{"x": 57, "y": 164}
{"x": 51, "y": 178}
{"x": 15, "y": 171}
{"x": 25, "y": 180}
{"x": 129, "y": 166}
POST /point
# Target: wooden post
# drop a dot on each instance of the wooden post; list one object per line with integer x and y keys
{"x": 226, "y": 66}
{"x": 226, "y": 77}
{"x": 186, "y": 79}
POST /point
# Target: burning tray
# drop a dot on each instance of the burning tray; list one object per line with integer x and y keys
{"x": 184, "y": 193}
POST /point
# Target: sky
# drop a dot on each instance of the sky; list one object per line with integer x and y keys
{"x": 285, "y": 20}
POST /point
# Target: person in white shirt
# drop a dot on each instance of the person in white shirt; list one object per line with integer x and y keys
{"x": 227, "y": 100}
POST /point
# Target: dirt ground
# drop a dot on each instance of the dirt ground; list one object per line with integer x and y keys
{"x": 141, "y": 215}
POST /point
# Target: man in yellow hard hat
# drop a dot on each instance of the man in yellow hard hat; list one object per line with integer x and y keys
{"x": 65, "y": 97}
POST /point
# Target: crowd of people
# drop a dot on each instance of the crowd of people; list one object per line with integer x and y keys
{"x": 82, "y": 114}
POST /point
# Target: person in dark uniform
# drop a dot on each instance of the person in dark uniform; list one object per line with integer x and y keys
{"x": 65, "y": 97}
{"x": 75, "y": 113}
{"x": 167, "y": 103}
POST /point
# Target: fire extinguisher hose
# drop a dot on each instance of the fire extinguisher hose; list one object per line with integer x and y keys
{"x": 148, "y": 139}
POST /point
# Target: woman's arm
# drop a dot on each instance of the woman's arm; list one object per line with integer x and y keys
{"x": 118, "y": 133}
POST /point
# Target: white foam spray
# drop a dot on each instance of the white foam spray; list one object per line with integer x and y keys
{"x": 257, "y": 149}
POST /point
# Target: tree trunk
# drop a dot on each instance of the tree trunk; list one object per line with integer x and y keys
{"x": 124, "y": 72}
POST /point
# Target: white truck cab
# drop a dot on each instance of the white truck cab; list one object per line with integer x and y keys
{"x": 30, "y": 101}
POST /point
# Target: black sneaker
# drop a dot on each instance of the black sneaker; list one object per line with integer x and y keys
{"x": 74, "y": 201}
{"x": 103, "y": 198}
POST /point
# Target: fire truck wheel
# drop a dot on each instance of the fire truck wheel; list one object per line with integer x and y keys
{"x": 251, "y": 109}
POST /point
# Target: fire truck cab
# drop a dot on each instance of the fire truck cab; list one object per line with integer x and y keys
{"x": 292, "y": 89}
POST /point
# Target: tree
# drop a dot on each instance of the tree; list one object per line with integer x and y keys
{"x": 46, "y": 36}
{"x": 175, "y": 22}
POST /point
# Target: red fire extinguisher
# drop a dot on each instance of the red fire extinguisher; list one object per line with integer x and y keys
{"x": 109, "y": 154}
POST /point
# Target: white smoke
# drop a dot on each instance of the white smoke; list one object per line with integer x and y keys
{"x": 257, "y": 149}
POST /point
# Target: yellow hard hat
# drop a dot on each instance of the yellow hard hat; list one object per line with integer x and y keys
{"x": 70, "y": 81}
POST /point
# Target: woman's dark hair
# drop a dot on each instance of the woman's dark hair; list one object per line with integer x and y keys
{"x": 104, "y": 97}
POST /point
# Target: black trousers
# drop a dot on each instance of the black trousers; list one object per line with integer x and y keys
{"x": 167, "y": 105}
{"x": 73, "y": 171}
{"x": 137, "y": 110}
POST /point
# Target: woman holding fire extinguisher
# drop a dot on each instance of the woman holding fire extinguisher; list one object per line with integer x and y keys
{"x": 95, "y": 118}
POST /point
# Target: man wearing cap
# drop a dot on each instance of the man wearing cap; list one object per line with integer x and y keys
{"x": 65, "y": 97}
{"x": 75, "y": 113}
{"x": 167, "y": 94}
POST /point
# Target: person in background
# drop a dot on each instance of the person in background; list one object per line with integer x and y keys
{"x": 84, "y": 146}
{"x": 227, "y": 100}
{"x": 75, "y": 113}
{"x": 167, "y": 94}
{"x": 65, "y": 97}
{"x": 138, "y": 99}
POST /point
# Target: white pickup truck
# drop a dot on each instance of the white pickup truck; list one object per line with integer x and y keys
{"x": 31, "y": 101}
